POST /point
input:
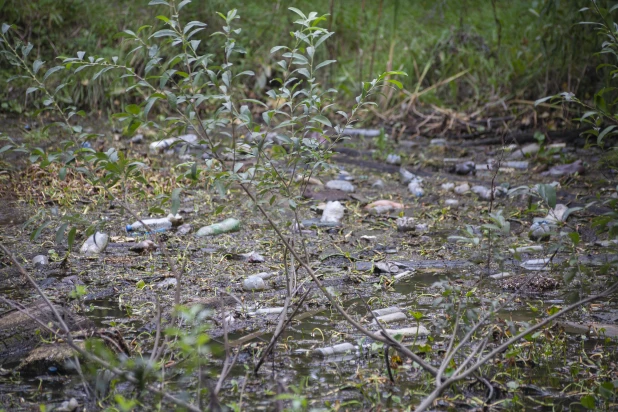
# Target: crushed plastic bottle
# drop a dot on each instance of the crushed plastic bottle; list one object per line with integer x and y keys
{"x": 461, "y": 189}
{"x": 393, "y": 159}
{"x": 406, "y": 177}
{"x": 540, "y": 230}
{"x": 416, "y": 188}
{"x": 227, "y": 226}
{"x": 342, "y": 185}
{"x": 339, "y": 349}
{"x": 95, "y": 244}
{"x": 333, "y": 212}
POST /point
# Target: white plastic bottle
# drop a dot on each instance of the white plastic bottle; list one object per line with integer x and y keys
{"x": 156, "y": 225}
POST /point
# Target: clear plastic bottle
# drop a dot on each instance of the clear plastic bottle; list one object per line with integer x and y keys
{"x": 156, "y": 225}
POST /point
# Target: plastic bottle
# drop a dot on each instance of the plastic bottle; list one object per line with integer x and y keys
{"x": 156, "y": 225}
{"x": 95, "y": 244}
{"x": 333, "y": 212}
{"x": 227, "y": 226}
{"x": 342, "y": 185}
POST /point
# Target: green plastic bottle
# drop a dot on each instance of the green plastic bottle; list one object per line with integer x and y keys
{"x": 227, "y": 226}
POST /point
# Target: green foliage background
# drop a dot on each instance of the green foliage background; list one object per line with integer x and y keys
{"x": 511, "y": 49}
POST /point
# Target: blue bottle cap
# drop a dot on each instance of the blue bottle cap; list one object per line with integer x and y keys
{"x": 129, "y": 228}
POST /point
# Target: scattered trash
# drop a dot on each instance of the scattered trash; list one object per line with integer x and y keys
{"x": 536, "y": 264}
{"x": 319, "y": 224}
{"x": 438, "y": 142}
{"x": 333, "y": 213}
{"x": 465, "y": 168}
{"x": 95, "y": 244}
{"x": 362, "y": 132}
{"x": 391, "y": 317}
{"x": 406, "y": 224}
{"x": 144, "y": 246}
{"x": 415, "y": 188}
{"x": 406, "y": 177}
{"x": 606, "y": 243}
{"x": 226, "y": 226}
{"x": 462, "y": 188}
{"x": 482, "y": 192}
{"x": 386, "y": 311}
{"x": 342, "y": 185}
{"x": 591, "y": 328}
{"x": 309, "y": 180}
{"x": 40, "y": 260}
{"x": 254, "y": 283}
{"x": 184, "y": 229}
{"x": 343, "y": 175}
{"x": 421, "y": 227}
{"x": 156, "y": 225}
{"x": 161, "y": 145}
{"x": 137, "y": 139}
{"x": 527, "y": 150}
{"x": 378, "y": 184}
{"x": 448, "y": 186}
{"x": 565, "y": 170}
{"x": 167, "y": 283}
{"x": 251, "y": 257}
{"x": 393, "y": 159}
{"x": 342, "y": 348}
{"x": 368, "y": 238}
{"x": 68, "y": 406}
{"x": 267, "y": 311}
{"x": 412, "y": 331}
{"x": 501, "y": 275}
{"x": 520, "y": 165}
{"x": 526, "y": 249}
{"x": 540, "y": 230}
{"x": 451, "y": 202}
{"x": 403, "y": 275}
{"x": 557, "y": 214}
{"x": 385, "y": 267}
{"x": 383, "y": 206}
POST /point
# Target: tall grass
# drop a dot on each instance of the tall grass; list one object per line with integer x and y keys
{"x": 511, "y": 49}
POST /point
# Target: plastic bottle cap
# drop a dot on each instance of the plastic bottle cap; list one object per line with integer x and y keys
{"x": 129, "y": 228}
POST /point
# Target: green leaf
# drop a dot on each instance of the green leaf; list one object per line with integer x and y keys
{"x": 62, "y": 174}
{"x": 71, "y": 238}
{"x": 176, "y": 200}
{"x": 604, "y": 133}
{"x": 36, "y": 66}
{"x": 396, "y": 83}
{"x": 5, "y": 28}
{"x": 574, "y": 236}
{"x": 543, "y": 100}
{"x": 548, "y": 194}
{"x": 133, "y": 109}
{"x": 300, "y": 13}
{"x": 324, "y": 63}
{"x": 60, "y": 233}
{"x": 588, "y": 402}
{"x": 52, "y": 71}
{"x": 157, "y": 2}
{"x": 323, "y": 120}
{"x": 31, "y": 90}
{"x": 37, "y": 233}
{"x": 164, "y": 33}
{"x": 141, "y": 284}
